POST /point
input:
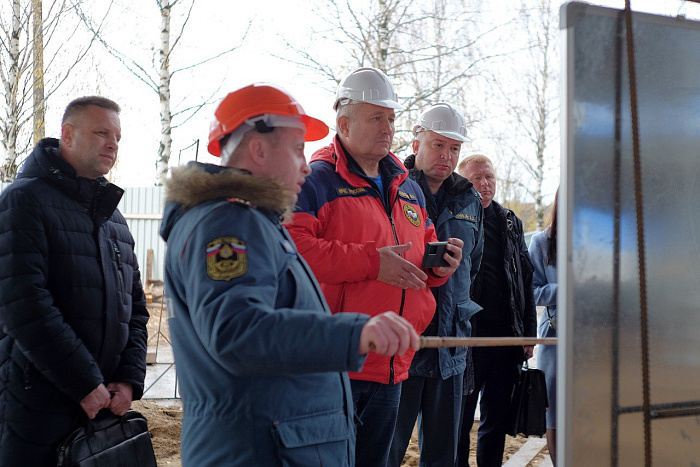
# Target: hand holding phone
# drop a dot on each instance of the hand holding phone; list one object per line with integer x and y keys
{"x": 433, "y": 256}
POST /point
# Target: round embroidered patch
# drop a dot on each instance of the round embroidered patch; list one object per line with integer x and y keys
{"x": 411, "y": 214}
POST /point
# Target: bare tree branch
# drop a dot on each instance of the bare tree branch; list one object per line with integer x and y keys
{"x": 131, "y": 65}
{"x": 214, "y": 57}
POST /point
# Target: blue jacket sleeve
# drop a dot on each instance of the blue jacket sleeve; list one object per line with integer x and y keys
{"x": 530, "y": 312}
{"x": 241, "y": 323}
{"x": 545, "y": 292}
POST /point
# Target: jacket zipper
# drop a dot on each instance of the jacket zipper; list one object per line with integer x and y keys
{"x": 27, "y": 378}
{"x": 388, "y": 209}
{"x": 403, "y": 293}
{"x": 515, "y": 300}
{"x": 117, "y": 254}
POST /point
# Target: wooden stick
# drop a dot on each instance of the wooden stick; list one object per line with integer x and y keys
{"x": 432, "y": 342}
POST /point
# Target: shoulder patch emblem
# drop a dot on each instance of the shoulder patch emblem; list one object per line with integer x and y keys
{"x": 411, "y": 214}
{"x": 227, "y": 258}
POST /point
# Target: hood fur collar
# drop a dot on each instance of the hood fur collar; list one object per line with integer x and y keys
{"x": 197, "y": 183}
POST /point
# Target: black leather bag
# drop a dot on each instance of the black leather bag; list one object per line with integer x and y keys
{"x": 529, "y": 404}
{"x": 109, "y": 440}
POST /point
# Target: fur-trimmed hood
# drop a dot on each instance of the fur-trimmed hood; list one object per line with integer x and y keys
{"x": 197, "y": 183}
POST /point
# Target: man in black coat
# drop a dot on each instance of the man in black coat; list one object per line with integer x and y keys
{"x": 72, "y": 309}
{"x": 503, "y": 287}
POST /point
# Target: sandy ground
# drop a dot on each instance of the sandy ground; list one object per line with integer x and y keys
{"x": 165, "y": 422}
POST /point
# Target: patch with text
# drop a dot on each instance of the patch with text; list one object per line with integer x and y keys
{"x": 468, "y": 217}
{"x": 351, "y": 191}
{"x": 408, "y": 196}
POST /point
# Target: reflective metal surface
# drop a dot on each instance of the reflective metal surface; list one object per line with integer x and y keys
{"x": 592, "y": 349}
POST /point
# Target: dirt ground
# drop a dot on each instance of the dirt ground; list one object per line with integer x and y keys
{"x": 165, "y": 423}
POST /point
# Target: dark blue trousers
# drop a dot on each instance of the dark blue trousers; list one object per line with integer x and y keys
{"x": 437, "y": 404}
{"x": 376, "y": 408}
{"x": 496, "y": 371}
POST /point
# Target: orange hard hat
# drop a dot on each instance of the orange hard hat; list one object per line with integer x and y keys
{"x": 252, "y": 101}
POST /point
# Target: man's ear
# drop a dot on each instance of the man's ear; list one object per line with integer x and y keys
{"x": 415, "y": 145}
{"x": 344, "y": 126}
{"x": 67, "y": 131}
{"x": 257, "y": 148}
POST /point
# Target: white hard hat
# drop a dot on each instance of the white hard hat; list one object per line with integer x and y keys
{"x": 368, "y": 85}
{"x": 444, "y": 120}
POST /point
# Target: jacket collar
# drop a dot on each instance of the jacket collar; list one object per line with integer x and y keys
{"x": 390, "y": 166}
{"x": 453, "y": 185}
{"x": 506, "y": 216}
{"x": 198, "y": 183}
{"x": 98, "y": 195}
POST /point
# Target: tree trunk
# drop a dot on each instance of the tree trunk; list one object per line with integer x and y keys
{"x": 164, "y": 92}
{"x": 10, "y": 127}
{"x": 38, "y": 65}
{"x": 383, "y": 33}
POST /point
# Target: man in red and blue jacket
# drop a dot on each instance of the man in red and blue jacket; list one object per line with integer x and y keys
{"x": 362, "y": 226}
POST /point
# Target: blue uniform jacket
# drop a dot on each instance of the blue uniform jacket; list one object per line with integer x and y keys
{"x": 461, "y": 217}
{"x": 544, "y": 284}
{"x": 261, "y": 360}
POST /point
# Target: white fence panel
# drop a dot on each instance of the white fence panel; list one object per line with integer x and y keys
{"x": 143, "y": 209}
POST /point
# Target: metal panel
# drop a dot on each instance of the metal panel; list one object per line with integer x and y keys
{"x": 600, "y": 361}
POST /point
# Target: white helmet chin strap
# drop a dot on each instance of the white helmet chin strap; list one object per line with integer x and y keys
{"x": 261, "y": 122}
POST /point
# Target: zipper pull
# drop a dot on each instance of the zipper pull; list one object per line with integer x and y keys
{"x": 118, "y": 254}
{"x": 27, "y": 380}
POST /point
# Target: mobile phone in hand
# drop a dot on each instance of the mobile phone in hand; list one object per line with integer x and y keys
{"x": 433, "y": 256}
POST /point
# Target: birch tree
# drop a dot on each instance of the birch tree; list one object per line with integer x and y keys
{"x": 12, "y": 69}
{"x": 158, "y": 72}
{"x": 39, "y": 107}
{"x": 16, "y": 69}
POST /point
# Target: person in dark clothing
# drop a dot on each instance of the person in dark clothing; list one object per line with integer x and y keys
{"x": 433, "y": 391}
{"x": 72, "y": 309}
{"x": 503, "y": 288}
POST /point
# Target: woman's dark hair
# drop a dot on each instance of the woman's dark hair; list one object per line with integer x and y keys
{"x": 552, "y": 233}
